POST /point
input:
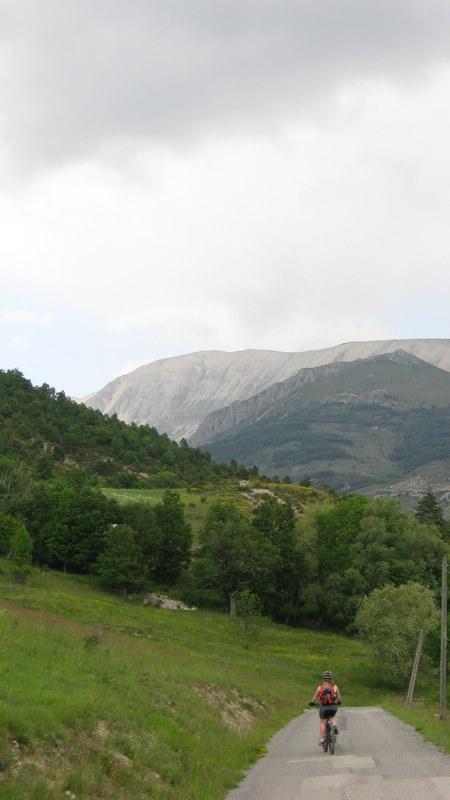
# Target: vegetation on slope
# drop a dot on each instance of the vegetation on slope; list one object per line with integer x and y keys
{"x": 108, "y": 698}
{"x": 103, "y": 697}
{"x": 50, "y": 433}
{"x": 370, "y": 423}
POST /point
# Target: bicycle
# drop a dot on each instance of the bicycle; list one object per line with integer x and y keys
{"x": 329, "y": 742}
{"x": 330, "y": 739}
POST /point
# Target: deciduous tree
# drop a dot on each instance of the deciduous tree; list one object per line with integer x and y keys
{"x": 21, "y": 548}
{"x": 121, "y": 564}
{"x": 276, "y": 520}
{"x": 391, "y": 619}
{"x": 234, "y": 555}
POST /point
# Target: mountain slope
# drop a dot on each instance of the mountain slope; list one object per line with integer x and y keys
{"x": 175, "y": 394}
{"x": 48, "y": 434}
{"x": 361, "y": 426}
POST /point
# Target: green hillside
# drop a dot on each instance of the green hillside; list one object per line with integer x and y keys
{"x": 217, "y": 540}
{"x": 108, "y": 698}
{"x": 49, "y": 434}
{"x": 104, "y": 696}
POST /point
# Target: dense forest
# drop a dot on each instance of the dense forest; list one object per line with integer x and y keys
{"x": 49, "y": 433}
{"x": 310, "y": 563}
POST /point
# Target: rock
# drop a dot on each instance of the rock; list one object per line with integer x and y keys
{"x": 162, "y": 601}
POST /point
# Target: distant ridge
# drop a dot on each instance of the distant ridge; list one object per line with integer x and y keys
{"x": 175, "y": 394}
{"x": 378, "y": 426}
{"x": 375, "y": 388}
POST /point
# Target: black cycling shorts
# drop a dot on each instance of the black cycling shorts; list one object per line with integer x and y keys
{"x": 326, "y": 711}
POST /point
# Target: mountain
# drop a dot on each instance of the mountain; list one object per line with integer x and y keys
{"x": 378, "y": 425}
{"x": 175, "y": 394}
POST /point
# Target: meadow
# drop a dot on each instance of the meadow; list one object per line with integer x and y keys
{"x": 196, "y": 501}
{"x": 105, "y": 697}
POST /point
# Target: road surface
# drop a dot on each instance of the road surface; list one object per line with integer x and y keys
{"x": 377, "y": 757}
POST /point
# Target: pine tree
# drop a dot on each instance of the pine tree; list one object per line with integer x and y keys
{"x": 428, "y": 510}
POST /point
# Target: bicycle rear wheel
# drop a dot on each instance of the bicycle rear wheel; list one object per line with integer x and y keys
{"x": 332, "y": 737}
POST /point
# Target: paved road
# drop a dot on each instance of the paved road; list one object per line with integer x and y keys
{"x": 377, "y": 758}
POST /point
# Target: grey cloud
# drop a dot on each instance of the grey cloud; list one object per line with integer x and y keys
{"x": 83, "y": 73}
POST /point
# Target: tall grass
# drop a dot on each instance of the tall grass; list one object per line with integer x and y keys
{"x": 102, "y": 697}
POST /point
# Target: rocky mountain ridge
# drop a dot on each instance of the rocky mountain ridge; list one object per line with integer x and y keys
{"x": 258, "y": 406}
{"x": 176, "y": 394}
{"x": 379, "y": 425}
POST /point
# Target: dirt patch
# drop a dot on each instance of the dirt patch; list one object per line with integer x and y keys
{"x": 238, "y": 711}
{"x": 101, "y": 731}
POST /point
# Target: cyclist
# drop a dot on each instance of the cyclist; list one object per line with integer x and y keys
{"x": 328, "y": 696}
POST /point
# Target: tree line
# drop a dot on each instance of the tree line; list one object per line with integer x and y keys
{"x": 312, "y": 568}
{"x": 316, "y": 569}
{"x": 72, "y": 526}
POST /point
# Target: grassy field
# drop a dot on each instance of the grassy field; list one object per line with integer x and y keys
{"x": 196, "y": 501}
{"x": 102, "y": 697}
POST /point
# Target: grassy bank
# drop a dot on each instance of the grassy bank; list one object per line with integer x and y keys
{"x": 102, "y": 697}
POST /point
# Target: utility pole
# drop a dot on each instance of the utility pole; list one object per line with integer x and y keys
{"x": 415, "y": 668}
{"x": 443, "y": 701}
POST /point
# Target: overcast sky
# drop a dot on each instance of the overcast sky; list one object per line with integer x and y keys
{"x": 184, "y": 175}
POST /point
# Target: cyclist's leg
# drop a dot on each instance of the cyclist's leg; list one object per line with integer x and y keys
{"x": 334, "y": 721}
{"x": 325, "y": 716}
{"x": 323, "y": 724}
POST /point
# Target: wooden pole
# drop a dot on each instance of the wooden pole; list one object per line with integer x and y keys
{"x": 415, "y": 668}
{"x": 443, "y": 700}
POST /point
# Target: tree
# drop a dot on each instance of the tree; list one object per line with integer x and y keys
{"x": 21, "y": 552}
{"x": 428, "y": 510}
{"x": 175, "y": 538}
{"x": 141, "y": 517}
{"x": 15, "y": 485}
{"x": 391, "y": 619}
{"x": 276, "y": 520}
{"x": 362, "y": 545}
{"x": 121, "y": 564}
{"x": 337, "y": 529}
{"x": 233, "y": 555}
{"x": 8, "y": 527}
{"x": 68, "y": 523}
{"x": 392, "y": 547}
{"x": 248, "y": 618}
